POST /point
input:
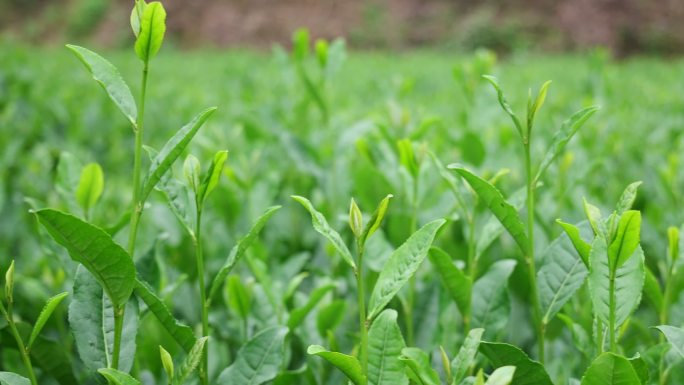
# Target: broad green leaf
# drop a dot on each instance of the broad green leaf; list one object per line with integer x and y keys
{"x": 320, "y": 224}
{"x": 627, "y": 198}
{"x": 91, "y": 317}
{"x": 626, "y": 240}
{"x": 182, "y": 334}
{"x": 376, "y": 220}
{"x": 675, "y": 336}
{"x": 459, "y": 286}
{"x": 503, "y": 210}
{"x": 329, "y": 316}
{"x": 582, "y": 247}
{"x": 504, "y": 104}
{"x": 239, "y": 296}
{"x": 136, "y": 16}
{"x": 501, "y": 376}
{"x": 401, "y": 265}
{"x": 298, "y": 315}
{"x": 527, "y": 372}
{"x": 117, "y": 377}
{"x": 213, "y": 174}
{"x": 652, "y": 289}
{"x": 348, "y": 365}
{"x": 240, "y": 248}
{"x": 258, "y": 361}
{"x": 465, "y": 358}
{"x": 610, "y": 369}
{"x": 629, "y": 282}
{"x": 45, "y": 314}
{"x": 172, "y": 150}
{"x": 90, "y": 186}
{"x": 418, "y": 367}
{"x": 561, "y": 275}
{"x": 492, "y": 229}
{"x": 385, "y": 344}
{"x": 491, "y": 305}
{"x": 7, "y": 378}
{"x": 191, "y": 362}
{"x": 641, "y": 368}
{"x": 110, "y": 79}
{"x": 568, "y": 129}
{"x": 91, "y": 246}
{"x": 152, "y": 29}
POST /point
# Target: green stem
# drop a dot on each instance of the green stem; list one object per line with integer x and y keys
{"x": 204, "y": 368}
{"x": 118, "y": 331}
{"x": 530, "y": 246}
{"x": 20, "y": 343}
{"x": 363, "y": 323}
{"x": 410, "y": 298}
{"x": 472, "y": 267}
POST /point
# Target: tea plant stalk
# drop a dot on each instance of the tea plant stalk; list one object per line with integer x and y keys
{"x": 204, "y": 368}
{"x": 363, "y": 324}
{"x": 25, "y": 358}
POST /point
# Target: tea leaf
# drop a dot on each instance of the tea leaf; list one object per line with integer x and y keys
{"x": 329, "y": 316}
{"x": 504, "y": 211}
{"x": 298, "y": 315}
{"x": 355, "y": 219}
{"x": 45, "y": 314}
{"x": 320, "y": 224}
{"x": 385, "y": 344}
{"x": 627, "y": 239}
{"x": 258, "y": 361}
{"x": 111, "y": 81}
{"x": 7, "y": 378}
{"x": 183, "y": 334}
{"x": 459, "y": 286}
{"x": 90, "y": 186}
{"x": 152, "y": 29}
{"x": 239, "y": 296}
{"x": 582, "y": 247}
{"x": 52, "y": 358}
{"x": 167, "y": 363}
{"x": 675, "y": 336}
{"x": 502, "y": 376}
{"x": 401, "y": 265}
{"x": 418, "y": 367}
{"x": 652, "y": 289}
{"x": 117, "y": 377}
{"x": 504, "y": 103}
{"x": 172, "y": 150}
{"x": 376, "y": 220}
{"x": 348, "y": 365}
{"x": 627, "y": 198}
{"x": 532, "y": 108}
{"x": 568, "y": 129}
{"x": 491, "y": 305}
{"x": 191, "y": 362}
{"x": 527, "y": 372}
{"x": 562, "y": 274}
{"x": 465, "y": 358}
{"x": 91, "y": 246}
{"x": 136, "y": 16}
{"x": 240, "y": 248}
{"x": 609, "y": 368}
{"x": 213, "y": 174}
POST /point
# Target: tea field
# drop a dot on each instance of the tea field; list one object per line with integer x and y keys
{"x": 340, "y": 217}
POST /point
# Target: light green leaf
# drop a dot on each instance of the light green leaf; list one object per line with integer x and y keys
{"x": 503, "y": 210}
{"x": 465, "y": 358}
{"x": 652, "y": 289}
{"x": 492, "y": 228}
{"x": 491, "y": 305}
{"x": 568, "y": 129}
{"x": 191, "y": 361}
{"x": 594, "y": 217}
{"x": 136, "y": 16}
{"x": 167, "y": 363}
{"x": 258, "y": 361}
{"x": 627, "y": 198}
{"x": 152, "y": 29}
{"x": 418, "y": 366}
{"x": 110, "y": 79}
{"x": 45, "y": 314}
{"x": 117, "y": 377}
{"x": 239, "y": 296}
{"x": 182, "y": 334}
{"x": 459, "y": 286}
{"x": 504, "y": 104}
{"x": 385, "y": 344}
{"x": 401, "y": 265}
{"x": 7, "y": 378}
{"x": 191, "y": 172}
{"x": 213, "y": 174}
{"x": 533, "y": 108}
{"x": 582, "y": 247}
{"x": 629, "y": 282}
{"x": 240, "y": 248}
{"x": 641, "y": 368}
{"x": 90, "y": 186}
{"x": 527, "y": 372}
{"x": 91, "y": 246}
{"x": 407, "y": 158}
{"x": 172, "y": 150}
{"x": 675, "y": 336}
{"x": 320, "y": 224}
{"x": 376, "y": 220}
{"x": 348, "y": 365}
{"x": 610, "y": 369}
{"x": 298, "y": 315}
{"x": 355, "y": 219}
{"x": 626, "y": 240}
{"x": 91, "y": 317}
{"x": 501, "y": 376}
{"x": 562, "y": 274}
{"x": 53, "y": 359}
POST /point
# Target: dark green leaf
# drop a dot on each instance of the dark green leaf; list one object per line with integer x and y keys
{"x": 491, "y": 304}
{"x": 459, "y": 286}
{"x": 418, "y": 366}
{"x": 258, "y": 361}
{"x": 527, "y": 372}
{"x": 385, "y": 344}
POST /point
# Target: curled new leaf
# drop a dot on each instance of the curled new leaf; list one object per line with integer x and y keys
{"x": 376, "y": 220}
{"x": 626, "y": 240}
{"x": 152, "y": 29}
{"x": 45, "y": 314}
{"x": 90, "y": 186}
